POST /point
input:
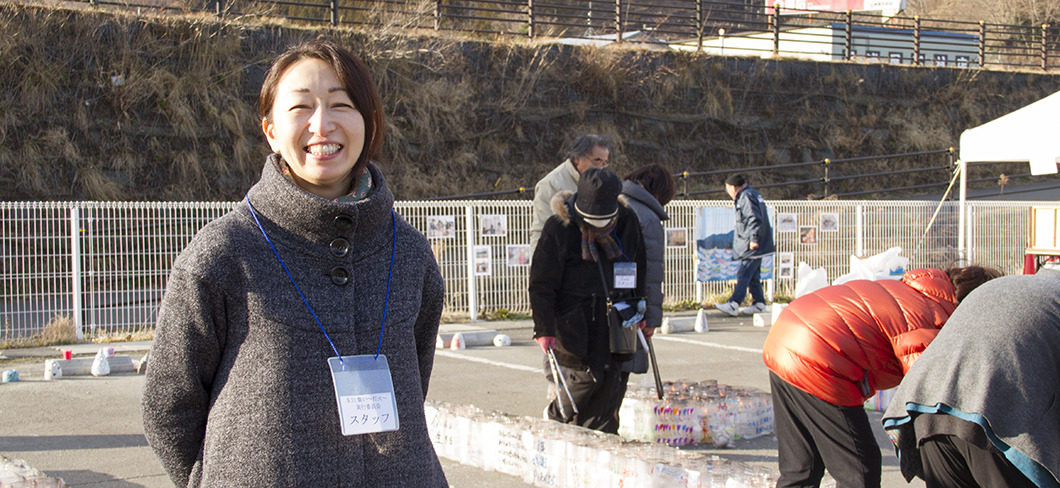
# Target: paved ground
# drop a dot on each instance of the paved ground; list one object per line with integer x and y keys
{"x": 87, "y": 430}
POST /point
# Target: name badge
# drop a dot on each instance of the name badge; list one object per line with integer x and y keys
{"x": 365, "y": 392}
{"x": 625, "y": 275}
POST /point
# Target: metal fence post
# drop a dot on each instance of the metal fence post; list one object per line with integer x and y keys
{"x": 982, "y": 43}
{"x": 618, "y": 21}
{"x": 776, "y": 29}
{"x": 469, "y": 240}
{"x": 684, "y": 181}
{"x": 700, "y": 25}
{"x": 333, "y": 11}
{"x": 1045, "y": 53}
{"x": 75, "y": 270}
{"x": 916, "y": 40}
{"x": 438, "y": 15}
{"x": 849, "y": 33}
{"x": 826, "y": 162}
{"x": 530, "y": 18}
{"x": 218, "y": 5}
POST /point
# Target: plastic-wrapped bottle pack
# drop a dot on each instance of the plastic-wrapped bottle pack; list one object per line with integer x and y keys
{"x": 544, "y": 453}
{"x": 696, "y": 413}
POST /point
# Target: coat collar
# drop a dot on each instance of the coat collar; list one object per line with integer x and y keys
{"x": 283, "y": 207}
{"x": 638, "y": 193}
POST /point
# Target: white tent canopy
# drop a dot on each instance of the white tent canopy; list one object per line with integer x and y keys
{"x": 1030, "y": 134}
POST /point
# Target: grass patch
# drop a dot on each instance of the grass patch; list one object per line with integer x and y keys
{"x": 58, "y": 331}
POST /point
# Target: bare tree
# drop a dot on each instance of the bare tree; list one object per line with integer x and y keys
{"x": 1015, "y": 12}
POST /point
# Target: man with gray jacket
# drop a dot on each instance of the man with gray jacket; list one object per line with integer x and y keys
{"x": 751, "y": 241}
{"x": 588, "y": 151}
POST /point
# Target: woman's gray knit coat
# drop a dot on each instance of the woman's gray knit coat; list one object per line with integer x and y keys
{"x": 650, "y": 214}
{"x": 238, "y": 391}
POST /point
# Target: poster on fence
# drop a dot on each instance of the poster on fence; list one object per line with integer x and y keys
{"x": 518, "y": 255}
{"x": 676, "y": 237}
{"x": 787, "y": 222}
{"x": 829, "y": 222}
{"x": 714, "y": 231}
{"x": 493, "y": 225}
{"x": 483, "y": 260}
{"x": 441, "y": 227}
{"x": 785, "y": 265}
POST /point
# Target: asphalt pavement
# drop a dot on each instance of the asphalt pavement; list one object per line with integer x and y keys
{"x": 87, "y": 430}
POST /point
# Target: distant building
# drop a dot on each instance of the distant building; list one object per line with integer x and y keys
{"x": 828, "y": 43}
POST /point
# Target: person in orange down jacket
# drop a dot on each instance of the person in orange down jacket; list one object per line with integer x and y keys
{"x": 831, "y": 350}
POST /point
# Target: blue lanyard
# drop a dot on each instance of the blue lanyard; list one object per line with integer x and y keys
{"x": 623, "y": 251}
{"x": 386, "y": 302}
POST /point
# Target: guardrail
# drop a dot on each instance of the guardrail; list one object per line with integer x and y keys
{"x": 748, "y": 28}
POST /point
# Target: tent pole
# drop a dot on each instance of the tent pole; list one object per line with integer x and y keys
{"x": 931, "y": 222}
{"x": 962, "y": 168}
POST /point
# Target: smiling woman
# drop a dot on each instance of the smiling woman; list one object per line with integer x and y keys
{"x": 321, "y": 112}
{"x": 281, "y": 357}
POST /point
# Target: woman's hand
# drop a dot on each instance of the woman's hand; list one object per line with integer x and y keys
{"x": 648, "y": 331}
{"x": 546, "y": 342}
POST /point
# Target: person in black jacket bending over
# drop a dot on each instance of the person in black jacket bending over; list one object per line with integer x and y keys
{"x": 589, "y": 251}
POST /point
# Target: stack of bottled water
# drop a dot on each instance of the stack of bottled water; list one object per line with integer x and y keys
{"x": 14, "y": 473}
{"x": 695, "y": 413}
{"x": 550, "y": 454}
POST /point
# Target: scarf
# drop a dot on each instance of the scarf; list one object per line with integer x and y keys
{"x": 362, "y": 183}
{"x": 593, "y": 237}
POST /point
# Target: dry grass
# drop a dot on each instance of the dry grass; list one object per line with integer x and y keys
{"x": 60, "y": 330}
{"x": 143, "y": 335}
{"x": 110, "y": 106}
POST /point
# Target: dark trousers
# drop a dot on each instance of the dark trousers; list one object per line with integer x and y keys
{"x": 598, "y": 397}
{"x": 749, "y": 277}
{"x": 950, "y": 462}
{"x": 813, "y": 434}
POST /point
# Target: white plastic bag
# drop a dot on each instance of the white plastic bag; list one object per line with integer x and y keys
{"x": 808, "y": 280}
{"x": 100, "y": 365}
{"x": 887, "y": 265}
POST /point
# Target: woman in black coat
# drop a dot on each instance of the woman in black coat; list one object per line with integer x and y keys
{"x": 572, "y": 278}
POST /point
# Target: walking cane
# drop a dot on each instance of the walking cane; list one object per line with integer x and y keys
{"x": 654, "y": 365}
{"x": 557, "y": 378}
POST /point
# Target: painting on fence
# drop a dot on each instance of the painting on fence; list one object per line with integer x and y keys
{"x": 829, "y": 222}
{"x": 677, "y": 238}
{"x": 787, "y": 222}
{"x": 441, "y": 227}
{"x": 493, "y": 225}
{"x": 518, "y": 255}
{"x": 808, "y": 234}
{"x": 714, "y": 233}
{"x": 483, "y": 260}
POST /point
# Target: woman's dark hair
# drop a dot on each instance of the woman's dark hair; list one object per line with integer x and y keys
{"x": 967, "y": 278}
{"x": 355, "y": 78}
{"x": 656, "y": 179}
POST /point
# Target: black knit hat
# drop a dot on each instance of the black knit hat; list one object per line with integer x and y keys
{"x": 597, "y": 196}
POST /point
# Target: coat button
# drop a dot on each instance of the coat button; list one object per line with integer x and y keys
{"x": 343, "y": 222}
{"x": 339, "y": 275}
{"x": 340, "y": 247}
